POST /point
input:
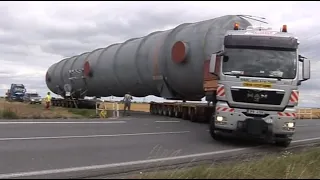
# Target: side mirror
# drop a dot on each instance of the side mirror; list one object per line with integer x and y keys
{"x": 306, "y": 69}
{"x": 212, "y": 66}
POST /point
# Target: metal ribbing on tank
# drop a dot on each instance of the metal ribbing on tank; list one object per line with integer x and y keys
{"x": 78, "y": 84}
{"x": 135, "y": 64}
{"x": 93, "y": 59}
{"x": 65, "y": 70}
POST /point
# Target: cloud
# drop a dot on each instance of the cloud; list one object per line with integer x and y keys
{"x": 34, "y": 35}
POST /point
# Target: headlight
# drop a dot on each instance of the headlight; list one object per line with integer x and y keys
{"x": 32, "y": 99}
{"x": 219, "y": 118}
{"x": 290, "y": 124}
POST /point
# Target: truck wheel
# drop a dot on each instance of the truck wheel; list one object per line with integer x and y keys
{"x": 283, "y": 143}
{"x": 214, "y": 134}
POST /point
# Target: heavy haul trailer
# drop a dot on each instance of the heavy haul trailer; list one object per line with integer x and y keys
{"x": 187, "y": 111}
{"x": 74, "y": 103}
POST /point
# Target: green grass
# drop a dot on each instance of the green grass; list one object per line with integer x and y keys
{"x": 87, "y": 113}
{"x": 8, "y": 113}
{"x": 286, "y": 166}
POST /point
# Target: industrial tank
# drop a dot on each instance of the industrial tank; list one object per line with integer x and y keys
{"x": 166, "y": 64}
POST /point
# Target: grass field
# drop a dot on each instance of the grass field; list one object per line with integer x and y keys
{"x": 18, "y": 110}
{"x": 302, "y": 165}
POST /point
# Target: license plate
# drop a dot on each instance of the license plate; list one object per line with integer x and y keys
{"x": 250, "y": 111}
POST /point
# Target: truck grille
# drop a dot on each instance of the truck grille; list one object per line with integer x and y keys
{"x": 257, "y": 97}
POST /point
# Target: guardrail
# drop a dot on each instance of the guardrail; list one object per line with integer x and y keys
{"x": 306, "y": 113}
{"x": 105, "y": 109}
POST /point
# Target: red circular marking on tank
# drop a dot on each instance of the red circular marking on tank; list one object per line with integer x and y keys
{"x": 178, "y": 52}
{"x": 86, "y": 68}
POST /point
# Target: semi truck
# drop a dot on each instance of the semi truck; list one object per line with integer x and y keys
{"x": 16, "y": 92}
{"x": 248, "y": 75}
{"x": 258, "y": 72}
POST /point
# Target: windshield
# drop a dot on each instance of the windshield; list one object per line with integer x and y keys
{"x": 34, "y": 95}
{"x": 19, "y": 89}
{"x": 260, "y": 63}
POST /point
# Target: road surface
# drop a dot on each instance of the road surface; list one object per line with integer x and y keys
{"x": 45, "y": 147}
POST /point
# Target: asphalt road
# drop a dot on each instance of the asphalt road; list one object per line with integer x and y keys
{"x": 30, "y": 147}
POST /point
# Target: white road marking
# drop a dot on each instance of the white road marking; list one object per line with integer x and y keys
{"x": 302, "y": 125}
{"x": 304, "y": 140}
{"x": 63, "y": 122}
{"x": 90, "y": 136}
{"x": 96, "y": 167}
{"x": 104, "y": 166}
{"x": 166, "y": 121}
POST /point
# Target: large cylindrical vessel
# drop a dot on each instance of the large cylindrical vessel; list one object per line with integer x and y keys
{"x": 165, "y": 63}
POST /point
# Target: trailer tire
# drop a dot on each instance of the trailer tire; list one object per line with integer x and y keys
{"x": 160, "y": 111}
{"x": 177, "y": 114}
{"x": 185, "y": 114}
{"x": 193, "y": 115}
{"x": 170, "y": 112}
{"x": 165, "y": 111}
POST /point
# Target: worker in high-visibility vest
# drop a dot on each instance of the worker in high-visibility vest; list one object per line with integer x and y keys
{"x": 127, "y": 103}
{"x": 48, "y": 100}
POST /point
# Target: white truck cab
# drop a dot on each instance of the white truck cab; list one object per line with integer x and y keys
{"x": 258, "y": 79}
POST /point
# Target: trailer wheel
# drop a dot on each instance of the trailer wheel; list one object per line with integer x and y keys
{"x": 185, "y": 114}
{"x": 170, "y": 112}
{"x": 177, "y": 114}
{"x": 165, "y": 111}
{"x": 193, "y": 115}
{"x": 160, "y": 111}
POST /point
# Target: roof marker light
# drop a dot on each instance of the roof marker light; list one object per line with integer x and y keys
{"x": 236, "y": 26}
{"x": 284, "y": 28}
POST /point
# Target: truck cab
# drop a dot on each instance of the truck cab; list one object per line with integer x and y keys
{"x": 258, "y": 79}
{"x": 16, "y": 92}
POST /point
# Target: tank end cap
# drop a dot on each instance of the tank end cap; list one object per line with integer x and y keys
{"x": 179, "y": 52}
{"x": 87, "y": 69}
{"x": 48, "y": 78}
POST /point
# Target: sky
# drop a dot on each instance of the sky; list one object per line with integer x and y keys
{"x": 35, "y": 35}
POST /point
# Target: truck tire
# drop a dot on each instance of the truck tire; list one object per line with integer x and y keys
{"x": 214, "y": 134}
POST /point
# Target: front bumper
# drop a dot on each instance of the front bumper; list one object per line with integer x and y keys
{"x": 271, "y": 122}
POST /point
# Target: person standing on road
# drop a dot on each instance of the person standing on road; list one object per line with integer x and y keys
{"x": 127, "y": 103}
{"x": 48, "y": 100}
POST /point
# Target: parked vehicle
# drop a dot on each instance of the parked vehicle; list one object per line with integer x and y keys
{"x": 32, "y": 98}
{"x": 16, "y": 92}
